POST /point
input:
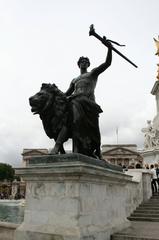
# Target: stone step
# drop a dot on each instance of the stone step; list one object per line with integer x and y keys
{"x": 150, "y": 203}
{"x": 148, "y": 207}
{"x": 148, "y": 211}
{"x": 155, "y": 194}
{"x": 154, "y": 199}
{"x": 138, "y": 231}
{"x": 119, "y": 236}
{"x": 147, "y": 219}
{"x": 136, "y": 214}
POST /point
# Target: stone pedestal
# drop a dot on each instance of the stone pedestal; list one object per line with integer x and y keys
{"x": 72, "y": 197}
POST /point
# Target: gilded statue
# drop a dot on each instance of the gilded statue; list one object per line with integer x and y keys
{"x": 157, "y": 46}
{"x": 157, "y": 53}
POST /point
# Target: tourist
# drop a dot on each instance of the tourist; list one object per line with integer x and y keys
{"x": 153, "y": 179}
{"x": 147, "y": 166}
{"x": 157, "y": 173}
{"x": 124, "y": 168}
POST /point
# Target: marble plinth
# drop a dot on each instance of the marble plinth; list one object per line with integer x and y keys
{"x": 72, "y": 197}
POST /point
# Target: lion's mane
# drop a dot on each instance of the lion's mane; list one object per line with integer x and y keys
{"x": 51, "y": 105}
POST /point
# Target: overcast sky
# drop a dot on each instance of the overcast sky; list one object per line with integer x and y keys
{"x": 41, "y": 41}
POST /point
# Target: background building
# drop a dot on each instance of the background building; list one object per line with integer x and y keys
{"x": 28, "y": 153}
{"x": 122, "y": 154}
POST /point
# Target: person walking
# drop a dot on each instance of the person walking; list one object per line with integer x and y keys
{"x": 157, "y": 173}
{"x": 153, "y": 179}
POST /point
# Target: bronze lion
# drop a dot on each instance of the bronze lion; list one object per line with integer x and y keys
{"x": 61, "y": 121}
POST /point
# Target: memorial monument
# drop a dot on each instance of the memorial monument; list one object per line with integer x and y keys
{"x": 70, "y": 196}
{"x": 150, "y": 152}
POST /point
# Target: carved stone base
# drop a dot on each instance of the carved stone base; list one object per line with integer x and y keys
{"x": 72, "y": 197}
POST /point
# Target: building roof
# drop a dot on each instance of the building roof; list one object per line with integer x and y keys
{"x": 120, "y": 151}
{"x": 28, "y": 151}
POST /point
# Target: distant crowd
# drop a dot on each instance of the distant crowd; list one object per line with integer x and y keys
{"x": 4, "y": 195}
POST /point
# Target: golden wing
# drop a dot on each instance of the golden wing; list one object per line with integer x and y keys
{"x": 157, "y": 45}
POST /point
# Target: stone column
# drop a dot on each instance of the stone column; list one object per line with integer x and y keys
{"x": 72, "y": 197}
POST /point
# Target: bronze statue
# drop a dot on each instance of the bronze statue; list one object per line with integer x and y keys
{"x": 52, "y": 106}
{"x": 74, "y": 114}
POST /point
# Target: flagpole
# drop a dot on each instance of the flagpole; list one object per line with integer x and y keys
{"x": 117, "y": 134}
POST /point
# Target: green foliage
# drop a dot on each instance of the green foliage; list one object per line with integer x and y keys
{"x": 6, "y": 172}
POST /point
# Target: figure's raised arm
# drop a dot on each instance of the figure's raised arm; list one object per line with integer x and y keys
{"x": 105, "y": 41}
{"x": 101, "y": 68}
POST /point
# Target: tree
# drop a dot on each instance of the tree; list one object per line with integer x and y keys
{"x": 6, "y": 172}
